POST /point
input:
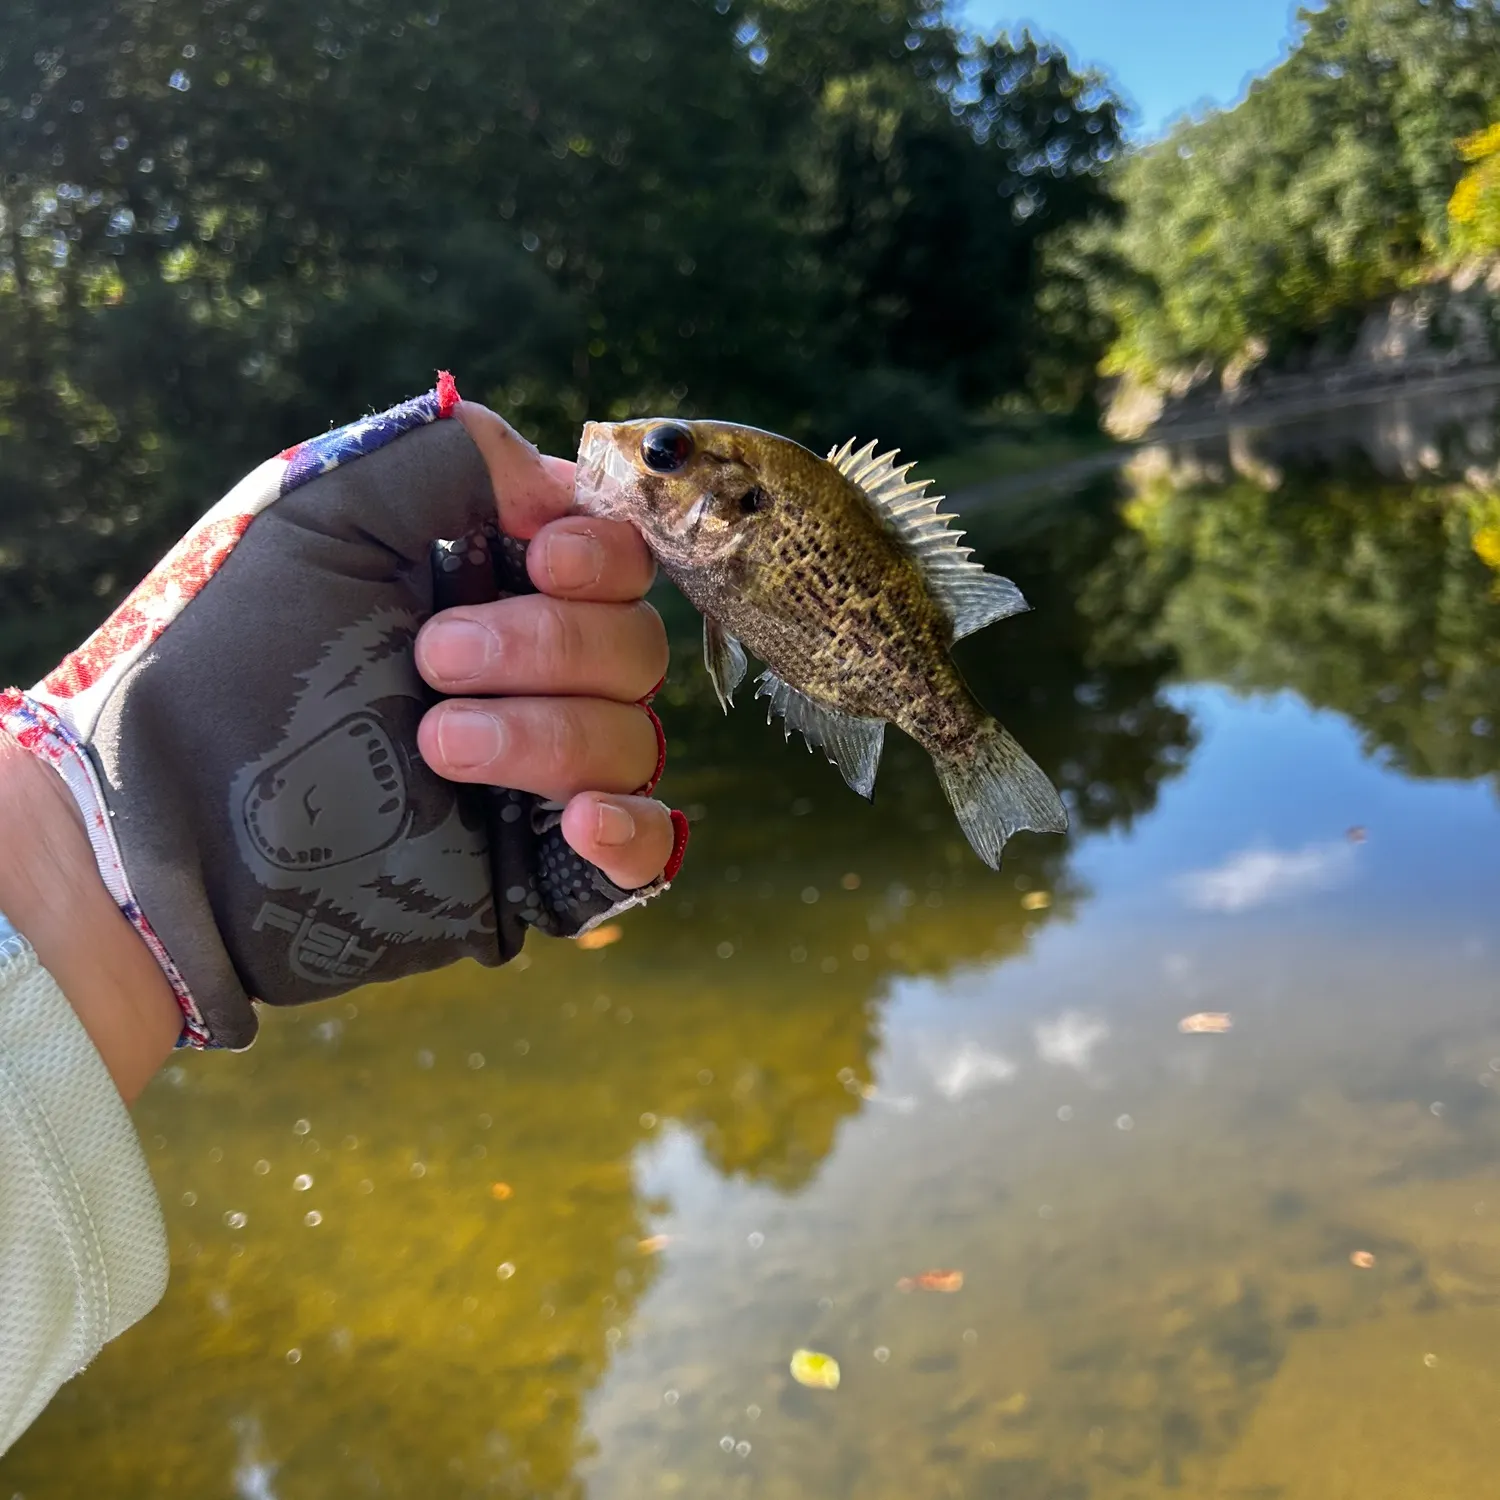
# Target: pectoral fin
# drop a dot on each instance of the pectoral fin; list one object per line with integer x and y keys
{"x": 851, "y": 743}
{"x": 725, "y": 659}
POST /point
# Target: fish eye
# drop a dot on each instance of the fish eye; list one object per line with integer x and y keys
{"x": 667, "y": 448}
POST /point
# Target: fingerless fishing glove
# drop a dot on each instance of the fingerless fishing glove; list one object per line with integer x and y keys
{"x": 240, "y": 736}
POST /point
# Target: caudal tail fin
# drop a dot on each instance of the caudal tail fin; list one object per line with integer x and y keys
{"x": 996, "y": 788}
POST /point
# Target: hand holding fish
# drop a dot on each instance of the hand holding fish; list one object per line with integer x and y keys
{"x": 547, "y": 685}
{"x": 844, "y": 579}
{"x": 265, "y": 789}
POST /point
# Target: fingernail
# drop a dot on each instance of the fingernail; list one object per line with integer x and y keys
{"x": 457, "y": 650}
{"x": 614, "y": 826}
{"x": 574, "y": 560}
{"x": 468, "y": 738}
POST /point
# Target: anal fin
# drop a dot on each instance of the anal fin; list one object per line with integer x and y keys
{"x": 725, "y": 659}
{"x": 851, "y": 743}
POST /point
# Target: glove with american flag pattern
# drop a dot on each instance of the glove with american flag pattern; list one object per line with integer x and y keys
{"x": 241, "y": 736}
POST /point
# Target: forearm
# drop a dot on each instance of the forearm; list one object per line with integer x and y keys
{"x": 51, "y": 891}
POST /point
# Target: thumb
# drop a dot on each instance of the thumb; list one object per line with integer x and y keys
{"x": 530, "y": 488}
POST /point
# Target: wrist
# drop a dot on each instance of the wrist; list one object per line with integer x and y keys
{"x": 51, "y": 892}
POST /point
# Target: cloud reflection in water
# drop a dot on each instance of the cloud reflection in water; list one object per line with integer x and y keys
{"x": 1258, "y": 877}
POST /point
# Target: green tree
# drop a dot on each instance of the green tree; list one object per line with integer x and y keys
{"x": 223, "y": 225}
{"x": 1475, "y": 205}
{"x": 1262, "y": 230}
{"x": 929, "y": 205}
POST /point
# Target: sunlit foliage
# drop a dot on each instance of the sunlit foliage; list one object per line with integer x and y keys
{"x": 1475, "y": 205}
{"x": 1264, "y": 230}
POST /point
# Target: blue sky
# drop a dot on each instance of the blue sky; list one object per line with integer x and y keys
{"x": 1167, "y": 56}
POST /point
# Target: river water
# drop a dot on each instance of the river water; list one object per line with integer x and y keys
{"x": 558, "y": 1231}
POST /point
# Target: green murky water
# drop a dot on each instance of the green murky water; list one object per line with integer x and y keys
{"x": 557, "y": 1232}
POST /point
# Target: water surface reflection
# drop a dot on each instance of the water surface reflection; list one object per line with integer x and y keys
{"x": 557, "y": 1232}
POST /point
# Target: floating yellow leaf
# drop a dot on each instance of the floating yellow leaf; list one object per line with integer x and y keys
{"x": 1036, "y": 901}
{"x": 600, "y": 937}
{"x": 819, "y": 1371}
{"x": 1206, "y": 1023}
{"x": 500, "y": 1191}
{"x": 932, "y": 1281}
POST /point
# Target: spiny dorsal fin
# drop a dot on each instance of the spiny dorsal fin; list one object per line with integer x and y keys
{"x": 971, "y": 597}
{"x": 851, "y": 743}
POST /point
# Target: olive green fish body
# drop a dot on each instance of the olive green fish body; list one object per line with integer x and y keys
{"x": 843, "y": 579}
{"x": 834, "y": 606}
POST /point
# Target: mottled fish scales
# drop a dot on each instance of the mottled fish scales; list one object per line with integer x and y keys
{"x": 845, "y": 578}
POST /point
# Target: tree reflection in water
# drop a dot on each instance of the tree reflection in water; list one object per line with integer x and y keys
{"x": 430, "y": 1331}
{"x": 1354, "y": 561}
{"x": 744, "y": 1008}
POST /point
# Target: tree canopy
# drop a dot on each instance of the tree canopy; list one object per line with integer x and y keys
{"x": 1260, "y": 230}
{"x": 226, "y": 223}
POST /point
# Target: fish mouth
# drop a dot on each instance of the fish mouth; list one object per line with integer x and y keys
{"x": 686, "y": 529}
{"x": 594, "y": 451}
{"x": 604, "y": 485}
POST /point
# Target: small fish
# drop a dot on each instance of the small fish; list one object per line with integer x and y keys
{"x": 844, "y": 579}
{"x": 932, "y": 1281}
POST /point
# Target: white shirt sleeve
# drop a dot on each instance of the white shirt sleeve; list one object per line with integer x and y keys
{"x": 83, "y": 1251}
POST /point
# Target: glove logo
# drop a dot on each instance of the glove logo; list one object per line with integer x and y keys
{"x": 338, "y": 798}
{"x": 319, "y": 951}
{"x": 343, "y": 814}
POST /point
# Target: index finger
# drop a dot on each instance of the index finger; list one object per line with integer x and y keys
{"x": 530, "y": 488}
{"x": 588, "y": 557}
